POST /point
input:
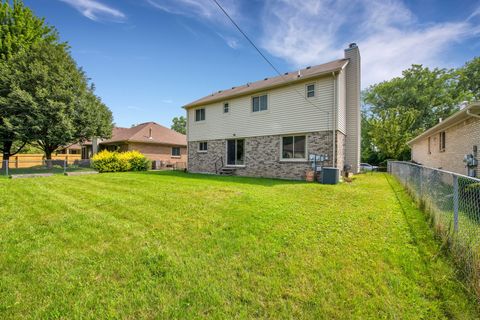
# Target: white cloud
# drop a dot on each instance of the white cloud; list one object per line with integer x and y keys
{"x": 388, "y": 34}
{"x": 95, "y": 10}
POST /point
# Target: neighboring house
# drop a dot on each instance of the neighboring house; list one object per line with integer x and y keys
{"x": 445, "y": 145}
{"x": 156, "y": 142}
{"x": 75, "y": 148}
{"x": 268, "y": 128}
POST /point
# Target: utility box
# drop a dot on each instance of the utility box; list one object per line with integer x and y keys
{"x": 330, "y": 175}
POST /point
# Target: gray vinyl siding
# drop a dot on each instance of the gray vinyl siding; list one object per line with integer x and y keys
{"x": 288, "y": 112}
{"x": 342, "y": 111}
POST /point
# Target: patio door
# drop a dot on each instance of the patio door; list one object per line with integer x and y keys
{"x": 236, "y": 152}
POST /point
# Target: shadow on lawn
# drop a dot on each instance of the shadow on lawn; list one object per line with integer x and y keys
{"x": 266, "y": 182}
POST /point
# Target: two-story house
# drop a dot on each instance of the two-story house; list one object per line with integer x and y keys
{"x": 268, "y": 128}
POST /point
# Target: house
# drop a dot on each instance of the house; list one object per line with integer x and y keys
{"x": 450, "y": 142}
{"x": 75, "y": 148}
{"x": 156, "y": 142}
{"x": 268, "y": 128}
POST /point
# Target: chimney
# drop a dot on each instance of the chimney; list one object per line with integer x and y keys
{"x": 352, "y": 89}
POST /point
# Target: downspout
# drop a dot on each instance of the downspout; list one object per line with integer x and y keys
{"x": 334, "y": 124}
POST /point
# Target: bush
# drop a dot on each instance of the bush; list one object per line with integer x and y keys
{"x": 106, "y": 161}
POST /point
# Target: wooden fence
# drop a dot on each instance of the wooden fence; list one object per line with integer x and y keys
{"x": 32, "y": 160}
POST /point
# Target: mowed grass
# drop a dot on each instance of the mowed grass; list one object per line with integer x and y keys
{"x": 183, "y": 246}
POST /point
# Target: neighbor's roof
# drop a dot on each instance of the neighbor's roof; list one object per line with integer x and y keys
{"x": 141, "y": 133}
{"x": 287, "y": 78}
{"x": 473, "y": 108}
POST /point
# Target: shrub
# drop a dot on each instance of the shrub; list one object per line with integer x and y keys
{"x": 106, "y": 161}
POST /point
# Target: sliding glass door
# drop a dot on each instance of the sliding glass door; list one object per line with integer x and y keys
{"x": 236, "y": 152}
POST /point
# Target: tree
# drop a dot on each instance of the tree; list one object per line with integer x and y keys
{"x": 469, "y": 78}
{"x": 429, "y": 94}
{"x": 179, "y": 124}
{"x": 391, "y": 129}
{"x": 66, "y": 108}
{"x": 20, "y": 29}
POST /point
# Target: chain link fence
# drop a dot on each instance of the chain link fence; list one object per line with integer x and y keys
{"x": 453, "y": 201}
{"x": 43, "y": 167}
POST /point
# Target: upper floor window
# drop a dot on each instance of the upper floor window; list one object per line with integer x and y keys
{"x": 259, "y": 103}
{"x": 226, "y": 107}
{"x": 176, "y": 151}
{"x": 294, "y": 147}
{"x": 442, "y": 141}
{"x": 200, "y": 114}
{"x": 310, "y": 90}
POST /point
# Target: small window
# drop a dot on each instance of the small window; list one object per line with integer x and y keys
{"x": 200, "y": 114}
{"x": 442, "y": 141}
{"x": 259, "y": 103}
{"x": 176, "y": 151}
{"x": 429, "y": 145}
{"x": 225, "y": 107}
{"x": 310, "y": 90}
{"x": 294, "y": 147}
{"x": 202, "y": 146}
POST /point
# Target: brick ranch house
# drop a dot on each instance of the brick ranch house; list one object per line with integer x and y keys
{"x": 445, "y": 145}
{"x": 156, "y": 142}
{"x": 269, "y": 127}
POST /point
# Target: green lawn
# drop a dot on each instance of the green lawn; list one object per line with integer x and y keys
{"x": 182, "y": 246}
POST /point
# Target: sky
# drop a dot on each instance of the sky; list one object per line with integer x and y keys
{"x": 148, "y": 58}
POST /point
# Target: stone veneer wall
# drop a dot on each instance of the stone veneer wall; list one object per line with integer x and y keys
{"x": 262, "y": 156}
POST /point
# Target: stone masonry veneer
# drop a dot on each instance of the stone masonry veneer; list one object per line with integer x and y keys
{"x": 262, "y": 156}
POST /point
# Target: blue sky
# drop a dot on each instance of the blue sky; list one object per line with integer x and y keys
{"x": 147, "y": 58}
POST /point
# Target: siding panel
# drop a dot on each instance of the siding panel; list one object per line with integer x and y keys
{"x": 287, "y": 112}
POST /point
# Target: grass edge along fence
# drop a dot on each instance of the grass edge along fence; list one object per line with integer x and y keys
{"x": 26, "y": 166}
{"x": 453, "y": 203}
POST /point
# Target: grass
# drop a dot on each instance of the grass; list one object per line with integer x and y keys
{"x": 43, "y": 169}
{"x": 182, "y": 246}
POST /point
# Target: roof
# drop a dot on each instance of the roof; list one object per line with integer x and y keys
{"x": 141, "y": 133}
{"x": 287, "y": 78}
{"x": 465, "y": 113}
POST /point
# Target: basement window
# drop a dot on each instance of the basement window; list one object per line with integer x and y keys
{"x": 442, "y": 141}
{"x": 202, "y": 146}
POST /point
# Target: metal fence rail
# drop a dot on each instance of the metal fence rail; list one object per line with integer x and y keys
{"x": 28, "y": 166}
{"x": 453, "y": 201}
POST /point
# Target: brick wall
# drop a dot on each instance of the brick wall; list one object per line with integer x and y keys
{"x": 262, "y": 156}
{"x": 459, "y": 140}
{"x": 159, "y": 152}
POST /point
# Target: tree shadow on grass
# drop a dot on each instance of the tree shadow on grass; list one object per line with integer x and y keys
{"x": 266, "y": 182}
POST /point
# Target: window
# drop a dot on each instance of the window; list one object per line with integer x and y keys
{"x": 202, "y": 146}
{"x": 442, "y": 141}
{"x": 310, "y": 90}
{"x": 200, "y": 114}
{"x": 429, "y": 145}
{"x": 236, "y": 152}
{"x": 225, "y": 107}
{"x": 294, "y": 147}
{"x": 259, "y": 103}
{"x": 175, "y": 151}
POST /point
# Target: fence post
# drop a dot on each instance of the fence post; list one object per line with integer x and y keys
{"x": 7, "y": 164}
{"x": 455, "y": 203}
{"x": 64, "y": 166}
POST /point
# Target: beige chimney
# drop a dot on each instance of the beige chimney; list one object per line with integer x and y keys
{"x": 353, "y": 78}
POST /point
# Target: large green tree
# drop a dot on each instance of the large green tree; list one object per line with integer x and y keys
{"x": 20, "y": 29}
{"x": 415, "y": 101}
{"x": 66, "y": 108}
{"x": 179, "y": 124}
{"x": 469, "y": 78}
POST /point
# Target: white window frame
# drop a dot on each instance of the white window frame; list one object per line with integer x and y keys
{"x": 204, "y": 114}
{"x": 199, "y": 149}
{"x": 258, "y": 96}
{"x": 244, "y": 153}
{"x": 442, "y": 143}
{"x": 179, "y": 152}
{"x": 314, "y": 90}
{"x": 282, "y": 159}
{"x": 226, "y": 103}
